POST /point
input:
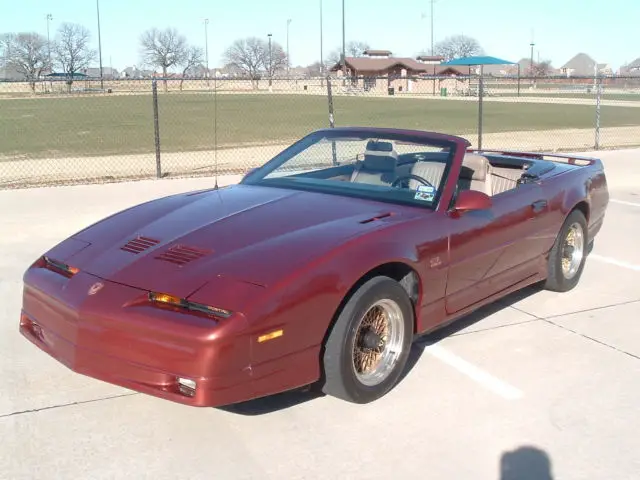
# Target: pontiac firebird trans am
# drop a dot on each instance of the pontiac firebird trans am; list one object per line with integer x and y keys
{"x": 318, "y": 269}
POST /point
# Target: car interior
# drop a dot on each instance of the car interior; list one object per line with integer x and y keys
{"x": 382, "y": 165}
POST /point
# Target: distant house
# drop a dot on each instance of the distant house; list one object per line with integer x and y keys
{"x": 107, "y": 72}
{"x": 631, "y": 69}
{"x": 8, "y": 73}
{"x": 582, "y": 65}
{"x": 135, "y": 72}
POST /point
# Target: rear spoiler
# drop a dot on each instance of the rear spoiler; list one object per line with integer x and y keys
{"x": 553, "y": 157}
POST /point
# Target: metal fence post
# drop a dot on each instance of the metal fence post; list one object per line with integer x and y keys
{"x": 156, "y": 127}
{"x": 330, "y": 100}
{"x": 332, "y": 123}
{"x": 598, "y": 100}
{"x": 480, "y": 95}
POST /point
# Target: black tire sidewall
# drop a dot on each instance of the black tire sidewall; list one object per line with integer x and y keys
{"x": 338, "y": 354}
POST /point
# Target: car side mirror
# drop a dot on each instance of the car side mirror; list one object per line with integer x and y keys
{"x": 468, "y": 200}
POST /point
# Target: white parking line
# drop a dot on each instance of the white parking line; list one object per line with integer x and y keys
{"x": 613, "y": 261}
{"x": 624, "y": 202}
{"x": 485, "y": 379}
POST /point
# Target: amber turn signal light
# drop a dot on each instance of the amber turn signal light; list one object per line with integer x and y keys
{"x": 167, "y": 299}
{"x": 60, "y": 267}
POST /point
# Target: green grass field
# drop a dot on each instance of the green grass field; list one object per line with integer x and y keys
{"x": 106, "y": 125}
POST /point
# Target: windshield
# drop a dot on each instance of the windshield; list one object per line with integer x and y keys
{"x": 392, "y": 167}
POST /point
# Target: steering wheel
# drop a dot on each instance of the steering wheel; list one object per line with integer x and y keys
{"x": 414, "y": 177}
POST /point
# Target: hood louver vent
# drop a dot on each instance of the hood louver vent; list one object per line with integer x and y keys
{"x": 378, "y": 217}
{"x": 139, "y": 244}
{"x": 181, "y": 255}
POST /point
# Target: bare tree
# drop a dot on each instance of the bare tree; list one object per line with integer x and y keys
{"x": 274, "y": 60}
{"x": 72, "y": 51}
{"x": 541, "y": 69}
{"x": 354, "y": 48}
{"x": 163, "y": 49}
{"x": 193, "y": 57}
{"x": 26, "y": 53}
{"x": 247, "y": 55}
{"x": 458, "y": 46}
{"x": 313, "y": 70}
{"x": 252, "y": 56}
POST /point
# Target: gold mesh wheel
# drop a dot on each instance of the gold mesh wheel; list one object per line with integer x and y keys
{"x": 377, "y": 343}
{"x": 572, "y": 251}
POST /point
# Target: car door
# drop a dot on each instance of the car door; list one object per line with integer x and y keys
{"x": 491, "y": 250}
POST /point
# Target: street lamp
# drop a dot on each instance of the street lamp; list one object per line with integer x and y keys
{"x": 270, "y": 60}
{"x": 344, "y": 47}
{"x": 432, "y": 50}
{"x": 99, "y": 44}
{"x": 288, "y": 64}
{"x": 49, "y": 18}
{"x": 531, "y": 62}
{"x": 321, "y": 51}
{"x": 206, "y": 45}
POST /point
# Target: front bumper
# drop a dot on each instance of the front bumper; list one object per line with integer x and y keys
{"x": 115, "y": 336}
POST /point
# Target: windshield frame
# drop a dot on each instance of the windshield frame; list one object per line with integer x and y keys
{"x": 453, "y": 144}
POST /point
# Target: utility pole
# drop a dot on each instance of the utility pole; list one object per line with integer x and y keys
{"x": 49, "y": 18}
{"x": 206, "y": 45}
{"x": 432, "y": 2}
{"x": 270, "y": 61}
{"x": 99, "y": 43}
{"x": 288, "y": 64}
{"x": 321, "y": 48}
{"x": 344, "y": 48}
{"x": 531, "y": 64}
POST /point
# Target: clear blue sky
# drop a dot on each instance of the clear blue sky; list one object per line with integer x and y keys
{"x": 562, "y": 28}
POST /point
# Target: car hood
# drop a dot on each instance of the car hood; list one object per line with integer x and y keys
{"x": 248, "y": 233}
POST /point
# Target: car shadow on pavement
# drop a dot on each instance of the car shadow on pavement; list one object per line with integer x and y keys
{"x": 281, "y": 401}
{"x": 525, "y": 463}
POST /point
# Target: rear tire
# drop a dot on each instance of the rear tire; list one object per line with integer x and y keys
{"x": 569, "y": 253}
{"x": 368, "y": 346}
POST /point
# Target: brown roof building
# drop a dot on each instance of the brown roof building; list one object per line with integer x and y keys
{"x": 379, "y": 63}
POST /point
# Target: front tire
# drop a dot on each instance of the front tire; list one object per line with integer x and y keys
{"x": 568, "y": 255}
{"x": 368, "y": 346}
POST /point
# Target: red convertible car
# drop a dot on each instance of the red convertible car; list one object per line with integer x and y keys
{"x": 318, "y": 269}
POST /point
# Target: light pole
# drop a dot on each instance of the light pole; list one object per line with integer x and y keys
{"x": 206, "y": 45}
{"x": 288, "y": 64}
{"x": 270, "y": 61}
{"x": 321, "y": 50}
{"x": 99, "y": 44}
{"x": 49, "y": 18}
{"x": 531, "y": 62}
{"x": 344, "y": 48}
{"x": 432, "y": 2}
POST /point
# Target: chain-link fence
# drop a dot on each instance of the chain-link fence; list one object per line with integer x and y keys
{"x": 96, "y": 131}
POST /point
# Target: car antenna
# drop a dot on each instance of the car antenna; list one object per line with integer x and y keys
{"x": 215, "y": 127}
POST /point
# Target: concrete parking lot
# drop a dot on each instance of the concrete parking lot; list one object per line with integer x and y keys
{"x": 537, "y": 386}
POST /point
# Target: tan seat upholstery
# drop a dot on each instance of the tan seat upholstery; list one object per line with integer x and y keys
{"x": 475, "y": 174}
{"x": 504, "y": 179}
{"x": 431, "y": 171}
{"x": 379, "y": 164}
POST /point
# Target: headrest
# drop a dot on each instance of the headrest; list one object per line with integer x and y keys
{"x": 474, "y": 167}
{"x": 380, "y": 156}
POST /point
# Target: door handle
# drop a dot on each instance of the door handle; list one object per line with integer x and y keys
{"x": 539, "y": 205}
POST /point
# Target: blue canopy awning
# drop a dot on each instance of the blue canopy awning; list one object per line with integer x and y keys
{"x": 478, "y": 60}
{"x": 65, "y": 75}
